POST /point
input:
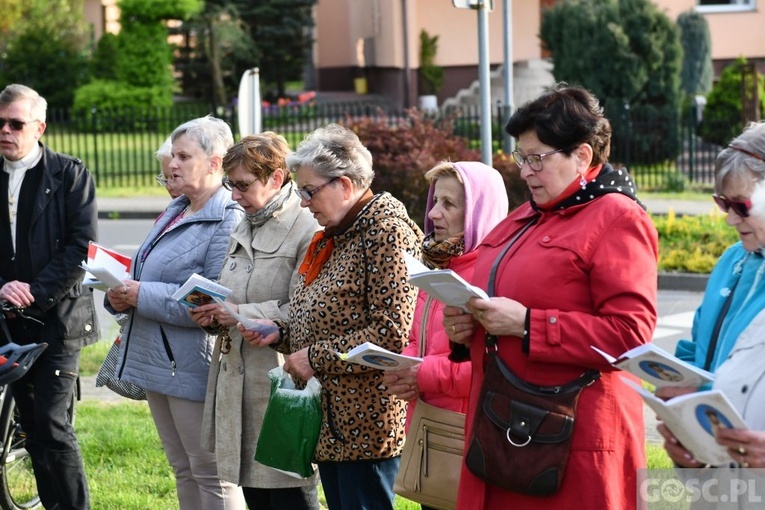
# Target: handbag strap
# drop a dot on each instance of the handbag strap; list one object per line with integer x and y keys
{"x": 491, "y": 340}
{"x": 588, "y": 377}
{"x": 713, "y": 339}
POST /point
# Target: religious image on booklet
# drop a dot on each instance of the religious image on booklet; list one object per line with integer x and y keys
{"x": 442, "y": 284}
{"x": 694, "y": 419}
{"x": 107, "y": 268}
{"x": 374, "y": 356}
{"x": 658, "y": 367}
{"x": 199, "y": 290}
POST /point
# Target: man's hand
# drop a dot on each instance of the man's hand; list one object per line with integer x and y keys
{"x": 17, "y": 293}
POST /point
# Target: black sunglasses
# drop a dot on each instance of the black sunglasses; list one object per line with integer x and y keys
{"x": 741, "y": 208}
{"x": 16, "y": 124}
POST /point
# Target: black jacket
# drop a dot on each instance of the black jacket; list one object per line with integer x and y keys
{"x": 53, "y": 231}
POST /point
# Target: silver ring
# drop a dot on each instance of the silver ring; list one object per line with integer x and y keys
{"x": 742, "y": 450}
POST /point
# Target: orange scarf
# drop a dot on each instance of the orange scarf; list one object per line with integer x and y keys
{"x": 318, "y": 253}
{"x": 323, "y": 243}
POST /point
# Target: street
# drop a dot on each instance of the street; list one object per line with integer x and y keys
{"x": 676, "y": 308}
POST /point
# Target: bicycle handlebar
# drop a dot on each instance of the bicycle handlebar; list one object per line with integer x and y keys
{"x": 18, "y": 358}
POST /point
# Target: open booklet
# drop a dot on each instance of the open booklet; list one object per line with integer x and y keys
{"x": 107, "y": 267}
{"x": 442, "y": 284}
{"x": 199, "y": 290}
{"x": 658, "y": 367}
{"x": 374, "y": 356}
{"x": 694, "y": 419}
{"x": 250, "y": 324}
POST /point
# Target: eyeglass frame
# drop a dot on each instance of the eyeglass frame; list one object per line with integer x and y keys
{"x": 521, "y": 160}
{"x": 241, "y": 186}
{"x": 15, "y": 123}
{"x": 307, "y": 195}
{"x": 162, "y": 180}
{"x": 740, "y": 207}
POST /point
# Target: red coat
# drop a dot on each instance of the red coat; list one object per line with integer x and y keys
{"x": 442, "y": 383}
{"x": 588, "y": 274}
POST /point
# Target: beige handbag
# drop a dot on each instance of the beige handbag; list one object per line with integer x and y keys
{"x": 432, "y": 458}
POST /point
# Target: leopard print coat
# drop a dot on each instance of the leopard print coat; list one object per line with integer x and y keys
{"x": 360, "y": 295}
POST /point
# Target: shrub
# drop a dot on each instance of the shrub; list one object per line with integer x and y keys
{"x": 692, "y": 243}
{"x": 723, "y": 112}
{"x": 697, "y": 74}
{"x": 125, "y": 106}
{"x": 403, "y": 152}
{"x": 627, "y": 52}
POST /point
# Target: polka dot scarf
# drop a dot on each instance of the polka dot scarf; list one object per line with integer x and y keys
{"x": 607, "y": 180}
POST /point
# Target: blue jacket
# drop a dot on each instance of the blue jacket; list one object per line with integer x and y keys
{"x": 736, "y": 264}
{"x": 164, "y": 261}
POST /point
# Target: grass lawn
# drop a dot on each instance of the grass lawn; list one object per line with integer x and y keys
{"x": 126, "y": 466}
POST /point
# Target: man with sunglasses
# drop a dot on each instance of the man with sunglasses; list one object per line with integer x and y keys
{"x": 51, "y": 214}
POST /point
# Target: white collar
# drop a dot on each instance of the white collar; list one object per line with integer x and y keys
{"x": 26, "y": 162}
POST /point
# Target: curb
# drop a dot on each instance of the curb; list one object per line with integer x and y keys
{"x": 683, "y": 281}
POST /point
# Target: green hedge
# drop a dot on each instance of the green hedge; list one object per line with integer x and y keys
{"x": 692, "y": 244}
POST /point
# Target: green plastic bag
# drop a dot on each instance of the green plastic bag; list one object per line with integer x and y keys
{"x": 291, "y": 425}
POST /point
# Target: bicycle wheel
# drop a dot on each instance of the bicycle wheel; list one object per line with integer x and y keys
{"x": 18, "y": 488}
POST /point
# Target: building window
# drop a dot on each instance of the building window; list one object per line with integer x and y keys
{"x": 725, "y": 5}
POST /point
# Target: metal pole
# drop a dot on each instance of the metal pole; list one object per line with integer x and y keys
{"x": 508, "y": 143}
{"x": 484, "y": 80}
{"x": 407, "y": 64}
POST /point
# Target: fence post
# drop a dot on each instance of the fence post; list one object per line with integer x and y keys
{"x": 504, "y": 115}
{"x": 94, "y": 121}
{"x": 693, "y": 116}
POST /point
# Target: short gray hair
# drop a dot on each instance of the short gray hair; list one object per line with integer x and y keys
{"x": 16, "y": 92}
{"x": 165, "y": 150}
{"x": 211, "y": 134}
{"x": 334, "y": 151}
{"x": 745, "y": 153}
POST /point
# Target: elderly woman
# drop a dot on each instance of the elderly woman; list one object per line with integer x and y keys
{"x": 465, "y": 201}
{"x": 736, "y": 289}
{"x": 353, "y": 289}
{"x": 580, "y": 272}
{"x": 261, "y": 269}
{"x": 165, "y": 177}
{"x": 163, "y": 350}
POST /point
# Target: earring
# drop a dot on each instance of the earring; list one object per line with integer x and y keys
{"x": 582, "y": 181}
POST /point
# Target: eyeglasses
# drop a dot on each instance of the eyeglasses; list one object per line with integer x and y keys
{"x": 307, "y": 194}
{"x": 16, "y": 124}
{"x": 162, "y": 180}
{"x": 242, "y": 186}
{"x": 534, "y": 160}
{"x": 739, "y": 207}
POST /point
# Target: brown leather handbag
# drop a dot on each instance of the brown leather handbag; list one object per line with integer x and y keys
{"x": 521, "y": 433}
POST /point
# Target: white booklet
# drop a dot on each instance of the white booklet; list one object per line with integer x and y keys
{"x": 250, "y": 324}
{"x": 107, "y": 267}
{"x": 374, "y": 356}
{"x": 694, "y": 419}
{"x": 658, "y": 367}
{"x": 199, "y": 290}
{"x": 443, "y": 284}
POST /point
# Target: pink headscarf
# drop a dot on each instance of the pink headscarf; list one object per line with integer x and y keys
{"x": 486, "y": 201}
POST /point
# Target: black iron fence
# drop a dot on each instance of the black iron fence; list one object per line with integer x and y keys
{"x": 119, "y": 146}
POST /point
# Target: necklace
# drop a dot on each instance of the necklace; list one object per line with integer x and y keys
{"x": 13, "y": 193}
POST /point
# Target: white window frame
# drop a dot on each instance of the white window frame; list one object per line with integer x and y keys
{"x": 733, "y": 6}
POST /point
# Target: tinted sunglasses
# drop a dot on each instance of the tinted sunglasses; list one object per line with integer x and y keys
{"x": 16, "y": 124}
{"x": 741, "y": 208}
